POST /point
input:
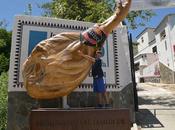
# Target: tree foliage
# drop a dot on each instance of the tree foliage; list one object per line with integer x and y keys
{"x": 91, "y": 11}
{"x": 139, "y": 18}
{"x": 3, "y": 100}
{"x": 81, "y": 10}
{"x": 135, "y": 48}
{"x": 5, "y": 45}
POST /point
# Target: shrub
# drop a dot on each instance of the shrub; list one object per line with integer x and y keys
{"x": 3, "y": 100}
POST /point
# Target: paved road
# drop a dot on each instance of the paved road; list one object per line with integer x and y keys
{"x": 157, "y": 108}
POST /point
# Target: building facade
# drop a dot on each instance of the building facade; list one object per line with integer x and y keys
{"x": 146, "y": 61}
{"x": 155, "y": 61}
{"x": 165, "y": 40}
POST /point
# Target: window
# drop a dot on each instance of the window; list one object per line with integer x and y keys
{"x": 144, "y": 57}
{"x": 162, "y": 35}
{"x": 165, "y": 45}
{"x": 154, "y": 49}
{"x": 174, "y": 48}
{"x": 142, "y": 39}
{"x": 168, "y": 62}
{"x": 136, "y": 66}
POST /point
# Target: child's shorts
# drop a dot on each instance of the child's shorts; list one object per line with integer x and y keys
{"x": 99, "y": 85}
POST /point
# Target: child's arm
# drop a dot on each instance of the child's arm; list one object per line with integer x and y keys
{"x": 86, "y": 56}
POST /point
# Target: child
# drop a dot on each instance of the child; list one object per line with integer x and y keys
{"x": 98, "y": 81}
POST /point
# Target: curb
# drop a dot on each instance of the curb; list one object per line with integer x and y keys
{"x": 136, "y": 127}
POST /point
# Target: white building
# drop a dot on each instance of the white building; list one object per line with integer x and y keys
{"x": 156, "y": 52}
{"x": 165, "y": 39}
{"x": 146, "y": 61}
{"x": 146, "y": 40}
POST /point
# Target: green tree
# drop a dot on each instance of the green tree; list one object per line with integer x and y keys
{"x": 135, "y": 48}
{"x": 139, "y": 18}
{"x": 3, "y": 100}
{"x": 5, "y": 45}
{"x": 4, "y": 63}
{"x": 91, "y": 11}
{"x": 82, "y": 10}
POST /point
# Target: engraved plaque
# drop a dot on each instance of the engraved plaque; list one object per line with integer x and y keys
{"x": 80, "y": 119}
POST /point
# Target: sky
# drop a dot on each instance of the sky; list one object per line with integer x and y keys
{"x": 154, "y": 21}
{"x": 10, "y": 8}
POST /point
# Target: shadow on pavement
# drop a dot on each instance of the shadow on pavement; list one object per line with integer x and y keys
{"x": 164, "y": 101}
{"x": 146, "y": 119}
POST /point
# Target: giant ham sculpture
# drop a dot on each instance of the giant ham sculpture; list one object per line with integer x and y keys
{"x": 55, "y": 67}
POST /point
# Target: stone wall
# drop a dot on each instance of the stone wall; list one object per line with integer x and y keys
{"x": 150, "y": 79}
{"x": 19, "y": 107}
{"x": 121, "y": 99}
{"x": 167, "y": 75}
{"x": 20, "y": 104}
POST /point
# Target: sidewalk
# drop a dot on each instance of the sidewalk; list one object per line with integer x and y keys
{"x": 156, "y": 119}
{"x": 156, "y": 106}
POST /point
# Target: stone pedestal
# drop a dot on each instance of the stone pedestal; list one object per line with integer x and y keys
{"x": 80, "y": 119}
{"x": 20, "y": 105}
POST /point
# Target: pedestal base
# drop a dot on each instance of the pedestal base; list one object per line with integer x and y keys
{"x": 80, "y": 119}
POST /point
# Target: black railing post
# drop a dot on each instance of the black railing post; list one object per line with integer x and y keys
{"x": 133, "y": 72}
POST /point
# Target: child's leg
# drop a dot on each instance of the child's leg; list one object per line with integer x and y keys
{"x": 106, "y": 98}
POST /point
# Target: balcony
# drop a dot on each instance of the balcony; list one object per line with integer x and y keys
{"x": 143, "y": 62}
